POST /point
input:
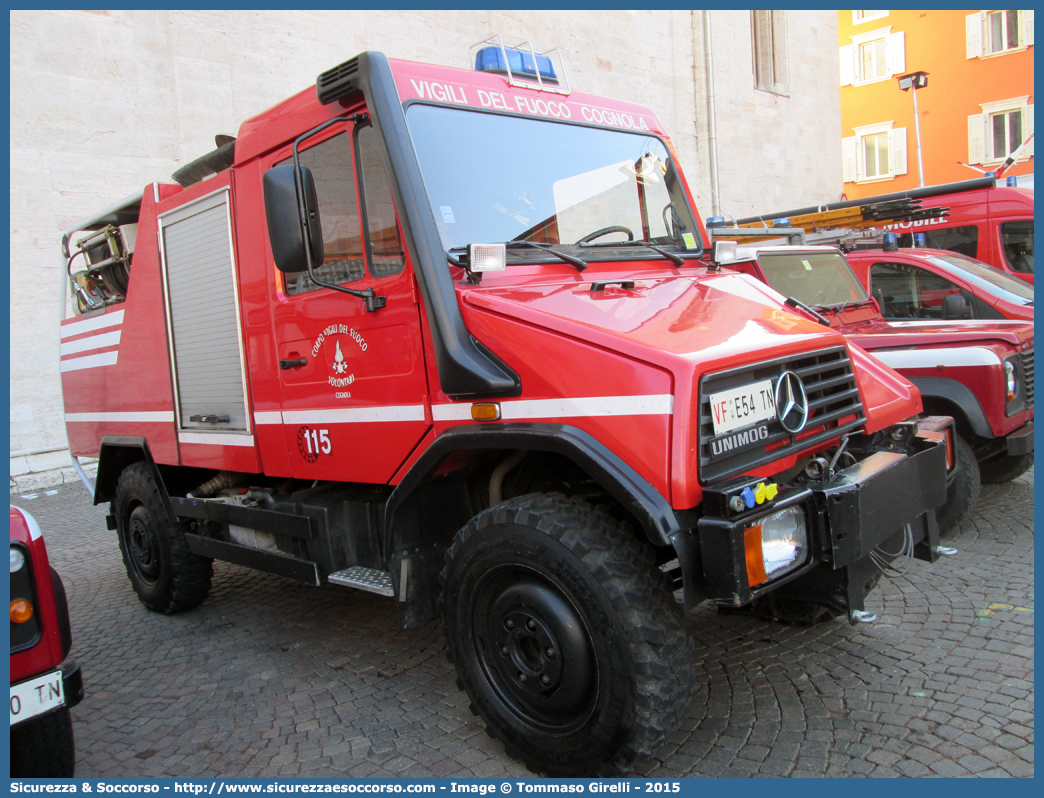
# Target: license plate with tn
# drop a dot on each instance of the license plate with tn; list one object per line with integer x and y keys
{"x": 36, "y": 696}
{"x": 743, "y": 406}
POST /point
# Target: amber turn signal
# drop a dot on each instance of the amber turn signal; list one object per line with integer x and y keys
{"x": 486, "y": 411}
{"x": 755, "y": 556}
{"x": 21, "y": 611}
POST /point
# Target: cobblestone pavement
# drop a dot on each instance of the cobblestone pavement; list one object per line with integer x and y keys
{"x": 271, "y": 678}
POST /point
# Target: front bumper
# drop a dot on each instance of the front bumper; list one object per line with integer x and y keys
{"x": 1021, "y": 440}
{"x": 869, "y": 505}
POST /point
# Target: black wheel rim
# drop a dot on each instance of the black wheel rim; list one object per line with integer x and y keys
{"x": 535, "y": 648}
{"x": 142, "y": 545}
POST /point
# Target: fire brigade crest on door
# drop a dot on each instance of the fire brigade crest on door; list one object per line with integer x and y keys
{"x": 340, "y": 376}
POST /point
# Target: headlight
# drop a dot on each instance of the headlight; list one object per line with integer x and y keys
{"x": 1012, "y": 383}
{"x": 776, "y": 545}
{"x": 17, "y": 560}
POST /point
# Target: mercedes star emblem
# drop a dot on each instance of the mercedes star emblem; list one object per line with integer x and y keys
{"x": 791, "y": 402}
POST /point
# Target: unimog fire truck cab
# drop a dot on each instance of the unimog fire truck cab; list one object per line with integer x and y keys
{"x": 426, "y": 332}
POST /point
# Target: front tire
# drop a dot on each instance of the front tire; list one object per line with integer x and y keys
{"x": 963, "y": 490}
{"x": 166, "y": 576}
{"x": 42, "y": 748}
{"x": 565, "y": 635}
{"x": 1006, "y": 467}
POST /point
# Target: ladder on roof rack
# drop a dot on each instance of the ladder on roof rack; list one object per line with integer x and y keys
{"x": 870, "y": 214}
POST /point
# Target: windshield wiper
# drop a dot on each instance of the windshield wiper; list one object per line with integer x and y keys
{"x": 579, "y": 264}
{"x": 677, "y": 260}
{"x": 520, "y": 242}
{"x": 797, "y": 303}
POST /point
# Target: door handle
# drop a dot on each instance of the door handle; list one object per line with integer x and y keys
{"x": 210, "y": 419}
{"x": 292, "y": 364}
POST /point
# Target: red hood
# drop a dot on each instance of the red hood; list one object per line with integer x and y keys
{"x": 691, "y": 325}
{"x": 713, "y": 321}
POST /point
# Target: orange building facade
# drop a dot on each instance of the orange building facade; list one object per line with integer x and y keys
{"x": 976, "y": 109}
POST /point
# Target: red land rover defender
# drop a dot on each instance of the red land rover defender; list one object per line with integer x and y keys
{"x": 44, "y": 683}
{"x": 913, "y": 283}
{"x": 978, "y": 372}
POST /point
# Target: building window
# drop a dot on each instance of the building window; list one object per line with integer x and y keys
{"x": 990, "y": 33}
{"x": 1006, "y": 128}
{"x": 873, "y": 61}
{"x": 866, "y": 16}
{"x": 875, "y": 155}
{"x": 769, "y": 31}
{"x": 1003, "y": 31}
{"x": 873, "y": 56}
{"x": 1000, "y": 130}
{"x": 875, "y": 152}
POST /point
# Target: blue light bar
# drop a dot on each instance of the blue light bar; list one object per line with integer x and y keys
{"x": 891, "y": 242}
{"x": 491, "y": 59}
{"x": 920, "y": 240}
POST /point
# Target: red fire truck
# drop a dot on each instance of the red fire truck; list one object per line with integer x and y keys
{"x": 980, "y": 372}
{"x": 425, "y": 332}
{"x": 44, "y": 682}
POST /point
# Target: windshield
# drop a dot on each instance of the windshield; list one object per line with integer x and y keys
{"x": 493, "y": 178}
{"x": 986, "y": 277}
{"x": 819, "y": 279}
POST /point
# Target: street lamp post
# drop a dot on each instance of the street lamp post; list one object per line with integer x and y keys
{"x": 915, "y": 81}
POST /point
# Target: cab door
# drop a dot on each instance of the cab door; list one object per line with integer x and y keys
{"x": 353, "y": 385}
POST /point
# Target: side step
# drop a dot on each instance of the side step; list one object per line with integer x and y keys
{"x": 364, "y": 579}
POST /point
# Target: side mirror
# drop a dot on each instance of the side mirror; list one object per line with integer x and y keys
{"x": 955, "y": 306}
{"x": 284, "y": 219}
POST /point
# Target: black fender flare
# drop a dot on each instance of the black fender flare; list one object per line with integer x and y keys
{"x": 655, "y": 514}
{"x": 960, "y": 395}
{"x": 118, "y": 452}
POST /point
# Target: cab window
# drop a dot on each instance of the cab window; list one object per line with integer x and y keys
{"x": 330, "y": 162}
{"x": 387, "y": 255}
{"x": 956, "y": 239}
{"x": 346, "y": 249}
{"x": 907, "y": 292}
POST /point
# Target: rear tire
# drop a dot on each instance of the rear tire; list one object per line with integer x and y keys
{"x": 963, "y": 490}
{"x": 565, "y": 635}
{"x": 166, "y": 576}
{"x": 1005, "y": 468}
{"x": 42, "y": 748}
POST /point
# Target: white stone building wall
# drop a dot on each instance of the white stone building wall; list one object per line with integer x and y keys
{"x": 104, "y": 102}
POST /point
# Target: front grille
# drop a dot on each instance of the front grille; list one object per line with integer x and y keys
{"x": 832, "y": 397}
{"x": 1027, "y": 375}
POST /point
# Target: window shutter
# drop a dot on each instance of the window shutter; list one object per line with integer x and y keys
{"x": 897, "y": 151}
{"x": 895, "y": 46}
{"x": 976, "y": 139}
{"x": 973, "y": 34}
{"x": 1027, "y": 130}
{"x": 847, "y": 59}
{"x": 1026, "y": 29}
{"x": 848, "y": 159}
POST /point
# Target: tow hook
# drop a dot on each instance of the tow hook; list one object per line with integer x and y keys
{"x": 861, "y": 616}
